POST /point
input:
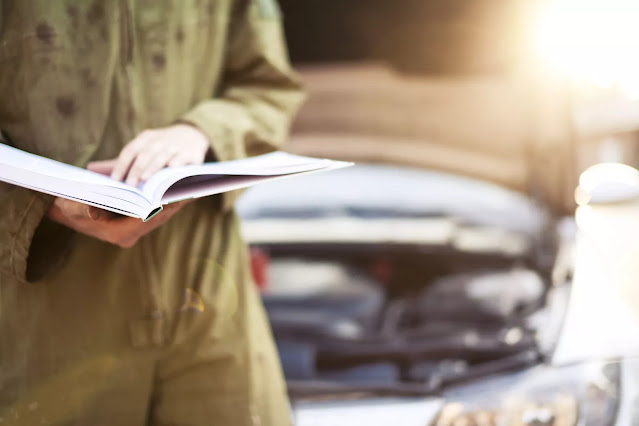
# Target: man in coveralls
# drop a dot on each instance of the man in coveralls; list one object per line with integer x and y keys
{"x": 108, "y": 320}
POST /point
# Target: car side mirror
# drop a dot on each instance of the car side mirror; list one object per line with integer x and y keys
{"x": 608, "y": 183}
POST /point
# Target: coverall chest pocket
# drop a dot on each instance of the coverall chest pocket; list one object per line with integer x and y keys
{"x": 180, "y": 44}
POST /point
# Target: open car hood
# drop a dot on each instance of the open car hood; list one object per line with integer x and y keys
{"x": 521, "y": 130}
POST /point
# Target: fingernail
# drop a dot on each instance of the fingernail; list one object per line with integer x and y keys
{"x": 94, "y": 213}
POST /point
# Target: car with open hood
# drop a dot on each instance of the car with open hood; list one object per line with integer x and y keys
{"x": 445, "y": 279}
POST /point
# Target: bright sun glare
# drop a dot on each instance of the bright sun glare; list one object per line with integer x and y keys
{"x": 593, "y": 40}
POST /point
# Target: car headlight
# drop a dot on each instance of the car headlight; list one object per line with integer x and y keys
{"x": 584, "y": 395}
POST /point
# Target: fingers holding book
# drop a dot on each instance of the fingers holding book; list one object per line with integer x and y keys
{"x": 110, "y": 227}
{"x": 152, "y": 150}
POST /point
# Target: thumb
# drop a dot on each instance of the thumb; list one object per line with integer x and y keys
{"x": 80, "y": 210}
{"x": 104, "y": 167}
{"x": 71, "y": 208}
{"x": 95, "y": 213}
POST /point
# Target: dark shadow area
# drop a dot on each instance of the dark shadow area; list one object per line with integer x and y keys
{"x": 434, "y": 36}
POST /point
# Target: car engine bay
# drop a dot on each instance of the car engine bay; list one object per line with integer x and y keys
{"x": 389, "y": 314}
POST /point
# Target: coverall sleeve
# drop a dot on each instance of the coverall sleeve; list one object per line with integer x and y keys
{"x": 21, "y": 211}
{"x": 260, "y": 93}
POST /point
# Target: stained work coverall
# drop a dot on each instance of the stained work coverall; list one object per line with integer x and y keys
{"x": 170, "y": 331}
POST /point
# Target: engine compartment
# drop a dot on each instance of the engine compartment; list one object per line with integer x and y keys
{"x": 390, "y": 278}
{"x": 369, "y": 322}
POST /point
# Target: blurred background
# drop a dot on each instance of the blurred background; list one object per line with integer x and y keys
{"x": 447, "y": 254}
{"x": 523, "y": 93}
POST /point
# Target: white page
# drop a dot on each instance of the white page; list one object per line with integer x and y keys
{"x": 274, "y": 163}
{"x": 77, "y": 191}
{"x": 44, "y": 166}
{"x": 52, "y": 177}
{"x": 265, "y": 166}
{"x": 225, "y": 183}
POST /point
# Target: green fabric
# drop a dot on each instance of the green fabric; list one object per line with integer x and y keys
{"x": 82, "y": 78}
{"x": 269, "y": 8}
{"x": 104, "y": 336}
{"x": 169, "y": 332}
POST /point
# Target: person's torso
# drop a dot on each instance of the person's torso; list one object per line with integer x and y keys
{"x": 81, "y": 78}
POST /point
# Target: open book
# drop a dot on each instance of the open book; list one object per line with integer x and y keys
{"x": 166, "y": 186}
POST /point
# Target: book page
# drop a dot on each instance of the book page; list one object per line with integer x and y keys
{"x": 63, "y": 180}
{"x": 265, "y": 166}
{"x": 203, "y": 185}
{"x": 45, "y": 166}
{"x": 56, "y": 178}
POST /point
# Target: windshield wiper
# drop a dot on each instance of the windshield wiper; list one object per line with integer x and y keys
{"x": 465, "y": 345}
{"x": 300, "y": 389}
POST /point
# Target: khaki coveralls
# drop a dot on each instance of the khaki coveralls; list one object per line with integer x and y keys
{"x": 171, "y": 331}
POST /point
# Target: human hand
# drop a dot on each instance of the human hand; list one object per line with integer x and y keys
{"x": 154, "y": 149}
{"x": 150, "y": 151}
{"x": 106, "y": 226}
